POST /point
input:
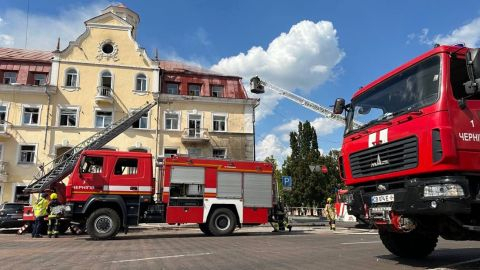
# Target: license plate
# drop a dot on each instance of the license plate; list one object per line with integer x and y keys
{"x": 383, "y": 198}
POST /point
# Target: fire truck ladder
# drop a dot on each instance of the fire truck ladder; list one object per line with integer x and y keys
{"x": 63, "y": 165}
{"x": 257, "y": 86}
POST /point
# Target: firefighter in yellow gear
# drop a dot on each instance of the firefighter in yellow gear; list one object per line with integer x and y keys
{"x": 39, "y": 211}
{"x": 53, "y": 216}
{"x": 331, "y": 214}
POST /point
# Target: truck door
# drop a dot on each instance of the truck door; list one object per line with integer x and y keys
{"x": 92, "y": 173}
{"x": 125, "y": 176}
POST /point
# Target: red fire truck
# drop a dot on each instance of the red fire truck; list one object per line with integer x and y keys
{"x": 110, "y": 191}
{"x": 414, "y": 166}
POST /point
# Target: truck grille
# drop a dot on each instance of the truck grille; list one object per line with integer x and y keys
{"x": 389, "y": 157}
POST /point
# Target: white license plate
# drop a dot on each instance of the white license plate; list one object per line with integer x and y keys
{"x": 383, "y": 198}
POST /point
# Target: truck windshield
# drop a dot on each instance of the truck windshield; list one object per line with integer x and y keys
{"x": 413, "y": 88}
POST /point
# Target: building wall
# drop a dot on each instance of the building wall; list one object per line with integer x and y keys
{"x": 85, "y": 57}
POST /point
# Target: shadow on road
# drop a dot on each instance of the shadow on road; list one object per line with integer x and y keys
{"x": 195, "y": 235}
{"x": 441, "y": 258}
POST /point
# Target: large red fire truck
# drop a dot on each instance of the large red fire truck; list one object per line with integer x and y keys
{"x": 109, "y": 191}
{"x": 414, "y": 166}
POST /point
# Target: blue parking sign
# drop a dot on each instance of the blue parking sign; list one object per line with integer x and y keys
{"x": 287, "y": 182}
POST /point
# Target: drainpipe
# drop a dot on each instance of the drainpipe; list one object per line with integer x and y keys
{"x": 48, "y": 114}
{"x": 254, "y": 107}
{"x": 159, "y": 170}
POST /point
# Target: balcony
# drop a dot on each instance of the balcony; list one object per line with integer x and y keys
{"x": 195, "y": 135}
{"x": 3, "y": 172}
{"x": 27, "y": 89}
{"x": 104, "y": 95}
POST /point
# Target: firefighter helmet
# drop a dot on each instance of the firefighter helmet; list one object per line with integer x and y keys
{"x": 43, "y": 195}
{"x": 329, "y": 200}
{"x": 53, "y": 196}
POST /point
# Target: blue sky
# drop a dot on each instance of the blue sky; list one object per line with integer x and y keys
{"x": 318, "y": 49}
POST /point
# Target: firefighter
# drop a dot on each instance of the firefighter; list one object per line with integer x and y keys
{"x": 330, "y": 213}
{"x": 280, "y": 219}
{"x": 53, "y": 215}
{"x": 39, "y": 211}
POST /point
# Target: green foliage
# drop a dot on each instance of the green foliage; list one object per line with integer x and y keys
{"x": 309, "y": 188}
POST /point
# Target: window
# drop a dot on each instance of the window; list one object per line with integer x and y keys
{"x": 91, "y": 165}
{"x": 168, "y": 152}
{"x": 9, "y": 77}
{"x": 141, "y": 123}
{"x": 171, "y": 121}
{"x": 194, "y": 89}
{"x": 39, "y": 79}
{"x": 31, "y": 115}
{"x": 3, "y": 118}
{"x": 1, "y": 153}
{"x": 103, "y": 119}
{"x": 71, "y": 78}
{"x": 219, "y": 123}
{"x": 68, "y": 117}
{"x": 19, "y": 196}
{"x": 217, "y": 91}
{"x": 141, "y": 83}
{"x": 27, "y": 154}
{"x": 172, "y": 88}
{"x": 107, "y": 48}
{"x": 219, "y": 153}
{"x": 126, "y": 166}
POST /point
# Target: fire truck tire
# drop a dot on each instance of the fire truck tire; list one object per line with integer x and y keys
{"x": 222, "y": 222}
{"x": 204, "y": 228}
{"x": 409, "y": 245}
{"x": 103, "y": 223}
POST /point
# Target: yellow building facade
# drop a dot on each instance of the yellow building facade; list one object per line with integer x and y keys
{"x": 99, "y": 78}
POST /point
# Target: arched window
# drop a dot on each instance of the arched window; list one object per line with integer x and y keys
{"x": 71, "y": 77}
{"x": 106, "y": 80}
{"x": 141, "y": 83}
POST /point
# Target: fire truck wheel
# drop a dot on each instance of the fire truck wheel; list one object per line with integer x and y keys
{"x": 103, "y": 223}
{"x": 204, "y": 228}
{"x": 222, "y": 222}
{"x": 409, "y": 245}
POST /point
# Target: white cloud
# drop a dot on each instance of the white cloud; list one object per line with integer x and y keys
{"x": 323, "y": 127}
{"x": 43, "y": 30}
{"x": 303, "y": 58}
{"x": 468, "y": 34}
{"x": 271, "y": 145}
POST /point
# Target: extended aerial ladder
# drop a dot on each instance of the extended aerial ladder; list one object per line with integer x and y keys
{"x": 60, "y": 167}
{"x": 258, "y": 86}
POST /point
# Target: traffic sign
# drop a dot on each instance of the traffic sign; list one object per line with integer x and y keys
{"x": 287, "y": 182}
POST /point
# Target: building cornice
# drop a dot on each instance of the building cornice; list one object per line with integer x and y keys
{"x": 167, "y": 98}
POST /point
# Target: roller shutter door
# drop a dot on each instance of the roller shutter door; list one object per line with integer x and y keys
{"x": 187, "y": 175}
{"x": 257, "y": 190}
{"x": 229, "y": 185}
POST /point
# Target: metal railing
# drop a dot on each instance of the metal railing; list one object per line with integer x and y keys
{"x": 304, "y": 211}
{"x": 3, "y": 168}
{"x": 196, "y": 133}
{"x": 104, "y": 91}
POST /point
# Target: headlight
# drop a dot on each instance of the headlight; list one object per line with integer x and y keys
{"x": 443, "y": 190}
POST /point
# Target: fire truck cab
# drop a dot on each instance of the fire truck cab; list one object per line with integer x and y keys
{"x": 413, "y": 166}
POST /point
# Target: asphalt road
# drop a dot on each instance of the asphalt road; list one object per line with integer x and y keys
{"x": 248, "y": 248}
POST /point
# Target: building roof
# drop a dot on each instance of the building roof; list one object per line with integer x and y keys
{"x": 25, "y": 55}
{"x": 175, "y": 66}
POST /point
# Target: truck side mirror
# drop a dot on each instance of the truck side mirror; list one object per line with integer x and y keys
{"x": 473, "y": 70}
{"x": 339, "y": 106}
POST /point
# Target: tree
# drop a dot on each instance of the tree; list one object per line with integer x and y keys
{"x": 309, "y": 188}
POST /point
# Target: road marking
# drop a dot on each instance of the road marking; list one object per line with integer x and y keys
{"x": 456, "y": 264}
{"x": 356, "y": 243}
{"x": 163, "y": 257}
